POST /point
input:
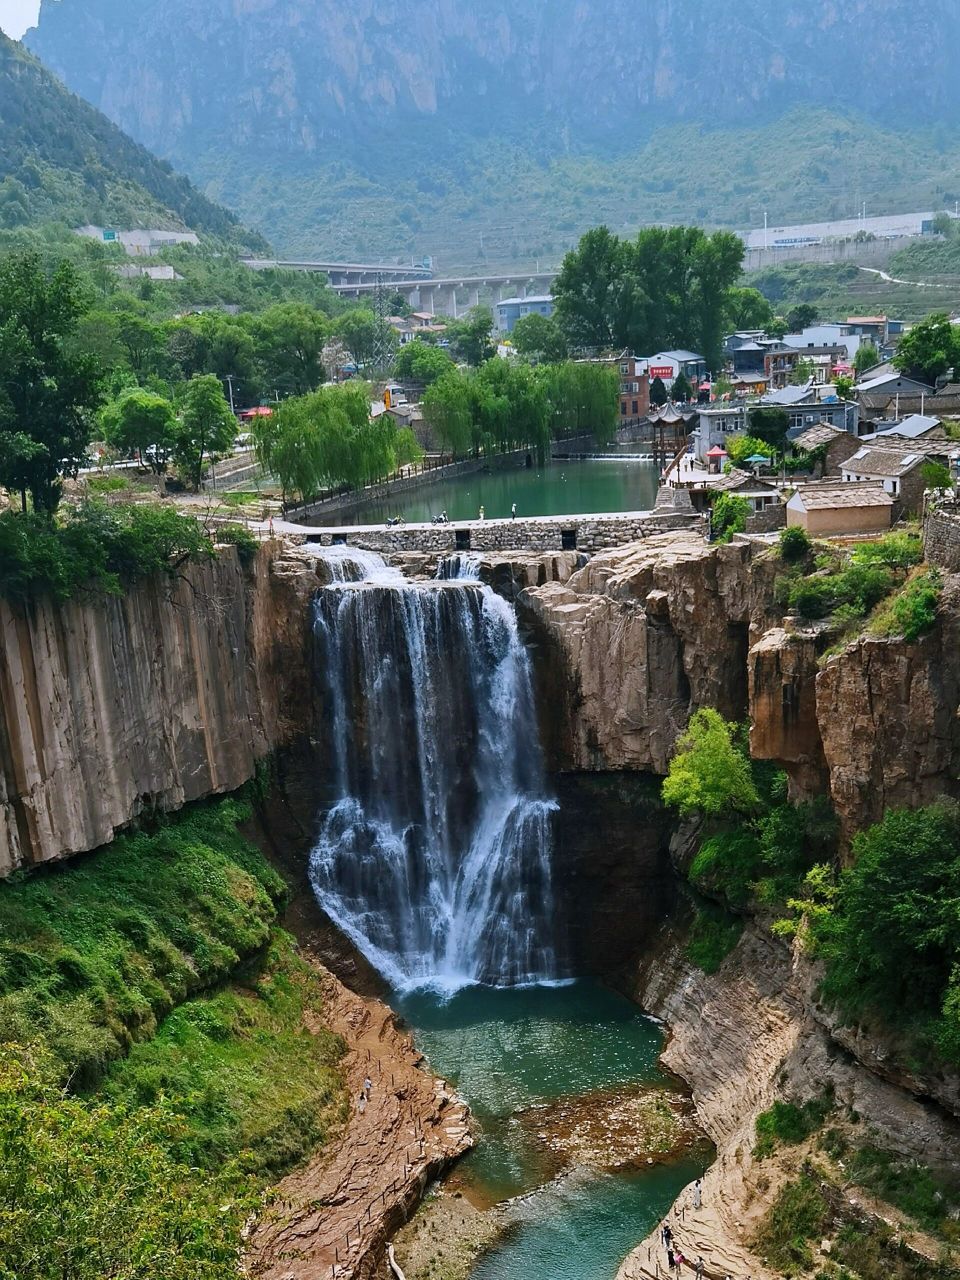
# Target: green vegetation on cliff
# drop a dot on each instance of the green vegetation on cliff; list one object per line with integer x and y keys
{"x": 150, "y": 1012}
{"x": 886, "y": 928}
{"x": 62, "y": 161}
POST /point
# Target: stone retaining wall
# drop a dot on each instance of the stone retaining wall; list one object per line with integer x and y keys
{"x": 769, "y": 520}
{"x": 549, "y": 533}
{"x": 941, "y": 537}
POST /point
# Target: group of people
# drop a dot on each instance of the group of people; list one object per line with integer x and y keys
{"x": 442, "y": 518}
{"x": 364, "y": 1095}
{"x": 482, "y": 513}
{"x": 675, "y": 1256}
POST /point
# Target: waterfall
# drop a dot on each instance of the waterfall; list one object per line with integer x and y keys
{"x": 436, "y": 857}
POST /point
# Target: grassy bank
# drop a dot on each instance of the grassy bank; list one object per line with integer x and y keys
{"x": 162, "y": 1055}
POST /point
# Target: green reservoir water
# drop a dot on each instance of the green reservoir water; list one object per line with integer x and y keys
{"x": 557, "y": 489}
{"x": 508, "y": 1049}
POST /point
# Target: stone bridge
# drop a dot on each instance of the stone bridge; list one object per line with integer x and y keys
{"x": 541, "y": 533}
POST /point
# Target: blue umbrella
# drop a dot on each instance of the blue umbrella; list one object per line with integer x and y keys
{"x": 757, "y": 457}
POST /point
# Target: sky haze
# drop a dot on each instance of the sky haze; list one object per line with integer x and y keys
{"x": 17, "y": 15}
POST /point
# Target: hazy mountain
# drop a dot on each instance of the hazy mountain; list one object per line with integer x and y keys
{"x": 330, "y": 124}
{"x": 62, "y": 160}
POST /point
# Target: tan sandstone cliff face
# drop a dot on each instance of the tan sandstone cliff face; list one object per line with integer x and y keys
{"x": 632, "y": 644}
{"x": 746, "y": 1036}
{"x": 113, "y": 706}
{"x": 635, "y": 642}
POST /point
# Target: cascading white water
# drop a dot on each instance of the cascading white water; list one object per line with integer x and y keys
{"x": 436, "y": 857}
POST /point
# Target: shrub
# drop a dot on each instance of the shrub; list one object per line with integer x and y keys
{"x": 795, "y": 544}
{"x": 914, "y": 610}
{"x": 709, "y": 772}
{"x": 239, "y": 536}
{"x": 799, "y": 1214}
{"x": 730, "y": 514}
{"x": 892, "y": 938}
{"x": 713, "y": 936}
{"x": 96, "y": 952}
{"x": 95, "y": 547}
{"x": 788, "y": 1124}
{"x": 728, "y": 864}
{"x": 812, "y": 598}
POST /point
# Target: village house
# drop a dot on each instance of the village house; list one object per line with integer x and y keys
{"x": 899, "y": 470}
{"x": 828, "y": 508}
{"x": 833, "y": 444}
{"x": 510, "y": 310}
{"x": 634, "y": 388}
{"x": 668, "y": 365}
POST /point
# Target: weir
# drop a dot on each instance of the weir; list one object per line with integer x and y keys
{"x": 436, "y": 856}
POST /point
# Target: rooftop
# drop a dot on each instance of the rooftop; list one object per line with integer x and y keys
{"x": 789, "y": 395}
{"x": 913, "y": 426}
{"x": 820, "y": 434}
{"x": 882, "y": 462}
{"x": 831, "y": 497}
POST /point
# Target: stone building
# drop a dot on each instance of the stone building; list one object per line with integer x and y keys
{"x": 831, "y": 507}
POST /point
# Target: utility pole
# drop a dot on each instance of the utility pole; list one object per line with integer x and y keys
{"x": 229, "y": 381}
{"x": 381, "y": 341}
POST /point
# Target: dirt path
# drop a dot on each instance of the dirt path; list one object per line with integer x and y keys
{"x": 333, "y": 1217}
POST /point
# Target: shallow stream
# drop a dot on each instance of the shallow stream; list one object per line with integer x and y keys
{"x": 511, "y": 1051}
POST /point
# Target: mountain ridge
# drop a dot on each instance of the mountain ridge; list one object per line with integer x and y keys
{"x": 62, "y": 160}
{"x": 388, "y": 127}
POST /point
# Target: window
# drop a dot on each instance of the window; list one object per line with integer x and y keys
{"x": 624, "y": 369}
{"x": 636, "y": 408}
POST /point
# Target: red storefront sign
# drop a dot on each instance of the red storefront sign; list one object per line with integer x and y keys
{"x": 661, "y": 371}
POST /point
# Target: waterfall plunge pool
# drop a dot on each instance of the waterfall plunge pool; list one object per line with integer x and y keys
{"x": 436, "y": 860}
{"x": 515, "y": 1054}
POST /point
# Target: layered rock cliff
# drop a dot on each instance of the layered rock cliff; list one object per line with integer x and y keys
{"x": 110, "y": 707}
{"x": 641, "y": 637}
{"x": 744, "y": 1038}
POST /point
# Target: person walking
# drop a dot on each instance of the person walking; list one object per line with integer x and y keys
{"x": 513, "y": 512}
{"x": 367, "y": 1086}
{"x": 698, "y": 1194}
{"x": 699, "y": 1267}
{"x": 483, "y": 514}
{"x": 671, "y": 1257}
{"x": 362, "y": 1103}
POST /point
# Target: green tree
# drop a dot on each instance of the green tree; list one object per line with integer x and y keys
{"x": 748, "y": 309}
{"x": 289, "y": 340}
{"x": 472, "y": 337}
{"x": 214, "y": 343}
{"x": 739, "y": 448}
{"x": 843, "y": 387}
{"x": 928, "y": 349}
{"x": 205, "y": 429}
{"x": 710, "y": 773}
{"x": 140, "y": 422}
{"x": 803, "y": 372}
{"x": 357, "y": 329}
{"x": 588, "y": 290}
{"x": 769, "y": 424}
{"x": 422, "y": 362}
{"x": 142, "y": 342}
{"x": 867, "y": 356}
{"x": 91, "y": 1190}
{"x": 539, "y": 339}
{"x": 658, "y": 392}
{"x": 446, "y": 409}
{"x": 682, "y": 390}
{"x": 48, "y": 391}
{"x": 801, "y": 317}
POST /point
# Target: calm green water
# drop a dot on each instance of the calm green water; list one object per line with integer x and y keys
{"x": 558, "y": 489}
{"x": 507, "y": 1049}
{"x": 583, "y": 1226}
